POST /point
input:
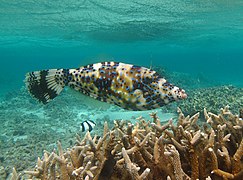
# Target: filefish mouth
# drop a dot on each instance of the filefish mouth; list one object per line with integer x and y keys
{"x": 183, "y": 94}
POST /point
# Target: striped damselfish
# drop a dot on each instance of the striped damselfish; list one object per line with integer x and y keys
{"x": 128, "y": 86}
{"x": 87, "y": 125}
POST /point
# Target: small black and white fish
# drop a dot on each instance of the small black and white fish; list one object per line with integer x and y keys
{"x": 87, "y": 125}
{"x": 128, "y": 86}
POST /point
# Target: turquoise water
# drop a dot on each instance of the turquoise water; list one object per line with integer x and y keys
{"x": 194, "y": 37}
{"x": 199, "y": 43}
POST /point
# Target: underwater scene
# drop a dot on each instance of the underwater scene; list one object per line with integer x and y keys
{"x": 108, "y": 90}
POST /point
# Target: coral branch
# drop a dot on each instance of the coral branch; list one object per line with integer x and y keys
{"x": 145, "y": 150}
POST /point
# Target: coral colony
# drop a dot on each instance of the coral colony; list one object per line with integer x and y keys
{"x": 149, "y": 150}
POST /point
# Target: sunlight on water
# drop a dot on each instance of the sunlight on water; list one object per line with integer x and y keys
{"x": 196, "y": 45}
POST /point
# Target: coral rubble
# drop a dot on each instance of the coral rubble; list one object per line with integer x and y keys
{"x": 213, "y": 98}
{"x": 150, "y": 150}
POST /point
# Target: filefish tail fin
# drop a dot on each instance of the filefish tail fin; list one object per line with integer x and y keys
{"x": 45, "y": 85}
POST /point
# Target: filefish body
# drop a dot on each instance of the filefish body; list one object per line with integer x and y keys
{"x": 128, "y": 86}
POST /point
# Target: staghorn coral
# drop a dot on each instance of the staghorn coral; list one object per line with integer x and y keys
{"x": 3, "y": 173}
{"x": 241, "y": 113}
{"x": 149, "y": 150}
{"x": 29, "y": 128}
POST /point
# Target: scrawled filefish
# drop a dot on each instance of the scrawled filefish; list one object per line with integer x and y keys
{"x": 128, "y": 86}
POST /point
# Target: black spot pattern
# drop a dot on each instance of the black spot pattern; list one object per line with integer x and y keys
{"x": 128, "y": 86}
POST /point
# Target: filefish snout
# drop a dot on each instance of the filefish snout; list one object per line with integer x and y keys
{"x": 179, "y": 93}
{"x": 183, "y": 94}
